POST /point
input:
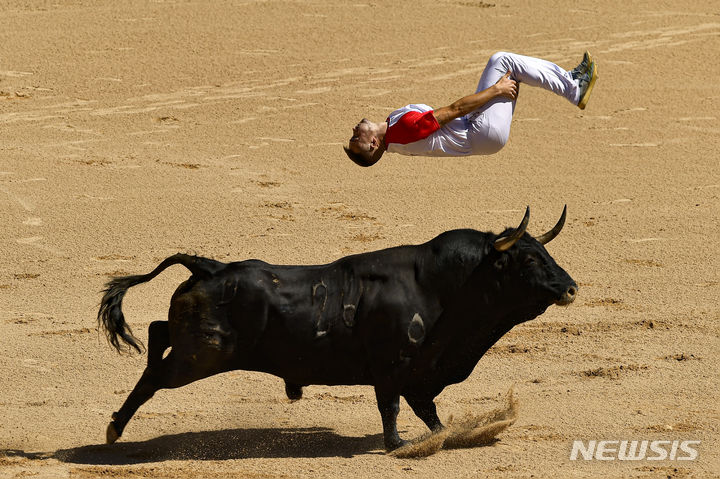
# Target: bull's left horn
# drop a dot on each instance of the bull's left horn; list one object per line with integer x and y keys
{"x": 550, "y": 235}
{"x": 504, "y": 243}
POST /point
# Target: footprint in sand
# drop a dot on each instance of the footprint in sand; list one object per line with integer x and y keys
{"x": 376, "y": 92}
{"x": 627, "y": 110}
{"x": 35, "y": 364}
{"x": 635, "y": 145}
{"x": 613, "y": 372}
{"x": 33, "y": 221}
{"x": 66, "y": 127}
{"x": 243, "y": 120}
{"x": 114, "y": 257}
{"x": 63, "y": 332}
{"x": 27, "y": 206}
{"x": 35, "y": 241}
{"x": 267, "y": 184}
{"x": 187, "y": 166}
{"x": 351, "y": 216}
{"x": 702, "y": 187}
{"x": 367, "y": 237}
{"x": 698, "y": 118}
{"x": 644, "y": 240}
{"x": 283, "y": 205}
{"x": 26, "y": 275}
{"x": 645, "y": 262}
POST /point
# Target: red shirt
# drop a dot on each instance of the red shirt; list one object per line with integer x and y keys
{"x": 411, "y": 127}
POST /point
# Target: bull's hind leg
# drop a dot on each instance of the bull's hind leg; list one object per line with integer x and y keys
{"x": 171, "y": 372}
{"x": 158, "y": 342}
{"x": 146, "y": 387}
{"x": 174, "y": 371}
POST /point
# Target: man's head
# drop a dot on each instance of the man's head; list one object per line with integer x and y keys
{"x": 366, "y": 144}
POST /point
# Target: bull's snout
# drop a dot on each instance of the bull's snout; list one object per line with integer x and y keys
{"x": 568, "y": 296}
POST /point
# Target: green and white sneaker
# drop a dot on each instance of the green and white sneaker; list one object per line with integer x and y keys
{"x": 582, "y": 67}
{"x": 586, "y": 79}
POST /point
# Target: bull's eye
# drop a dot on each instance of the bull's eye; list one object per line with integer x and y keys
{"x": 530, "y": 261}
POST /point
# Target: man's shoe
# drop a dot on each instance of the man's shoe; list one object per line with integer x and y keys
{"x": 582, "y": 67}
{"x": 586, "y": 82}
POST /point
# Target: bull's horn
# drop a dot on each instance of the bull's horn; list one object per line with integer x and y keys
{"x": 504, "y": 243}
{"x": 550, "y": 235}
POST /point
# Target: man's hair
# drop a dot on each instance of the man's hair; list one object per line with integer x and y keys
{"x": 364, "y": 159}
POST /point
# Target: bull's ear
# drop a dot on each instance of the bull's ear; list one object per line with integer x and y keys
{"x": 505, "y": 243}
{"x": 550, "y": 235}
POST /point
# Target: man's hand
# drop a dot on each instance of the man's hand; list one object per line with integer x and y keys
{"x": 507, "y": 87}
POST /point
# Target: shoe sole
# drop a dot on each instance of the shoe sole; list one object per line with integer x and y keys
{"x": 586, "y": 96}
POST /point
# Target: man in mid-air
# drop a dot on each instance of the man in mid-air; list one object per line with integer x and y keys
{"x": 477, "y": 124}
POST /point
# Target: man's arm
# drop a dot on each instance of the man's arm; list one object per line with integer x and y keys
{"x": 505, "y": 87}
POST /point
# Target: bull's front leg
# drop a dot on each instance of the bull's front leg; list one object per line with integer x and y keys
{"x": 389, "y": 406}
{"x": 425, "y": 409}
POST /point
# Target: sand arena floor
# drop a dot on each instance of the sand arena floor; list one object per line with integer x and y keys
{"x": 130, "y": 131}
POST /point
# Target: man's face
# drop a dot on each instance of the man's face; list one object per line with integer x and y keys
{"x": 362, "y": 137}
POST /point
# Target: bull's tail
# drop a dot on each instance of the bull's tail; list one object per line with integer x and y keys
{"x": 110, "y": 316}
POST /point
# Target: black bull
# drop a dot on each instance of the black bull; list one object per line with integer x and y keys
{"x": 409, "y": 320}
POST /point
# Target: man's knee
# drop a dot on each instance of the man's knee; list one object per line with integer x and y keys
{"x": 500, "y": 58}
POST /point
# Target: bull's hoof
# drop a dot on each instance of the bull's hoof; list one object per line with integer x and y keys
{"x": 111, "y": 435}
{"x": 293, "y": 391}
{"x": 395, "y": 444}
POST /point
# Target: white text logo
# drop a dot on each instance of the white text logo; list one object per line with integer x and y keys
{"x": 659, "y": 450}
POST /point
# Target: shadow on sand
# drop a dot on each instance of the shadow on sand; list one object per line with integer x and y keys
{"x": 217, "y": 446}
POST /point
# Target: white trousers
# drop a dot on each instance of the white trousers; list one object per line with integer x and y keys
{"x": 489, "y": 125}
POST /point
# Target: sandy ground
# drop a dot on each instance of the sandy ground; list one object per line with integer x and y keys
{"x": 133, "y": 130}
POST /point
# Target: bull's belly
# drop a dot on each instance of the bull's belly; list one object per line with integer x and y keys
{"x": 305, "y": 347}
{"x": 326, "y": 366}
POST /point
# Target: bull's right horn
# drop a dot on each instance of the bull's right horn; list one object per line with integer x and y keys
{"x": 504, "y": 243}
